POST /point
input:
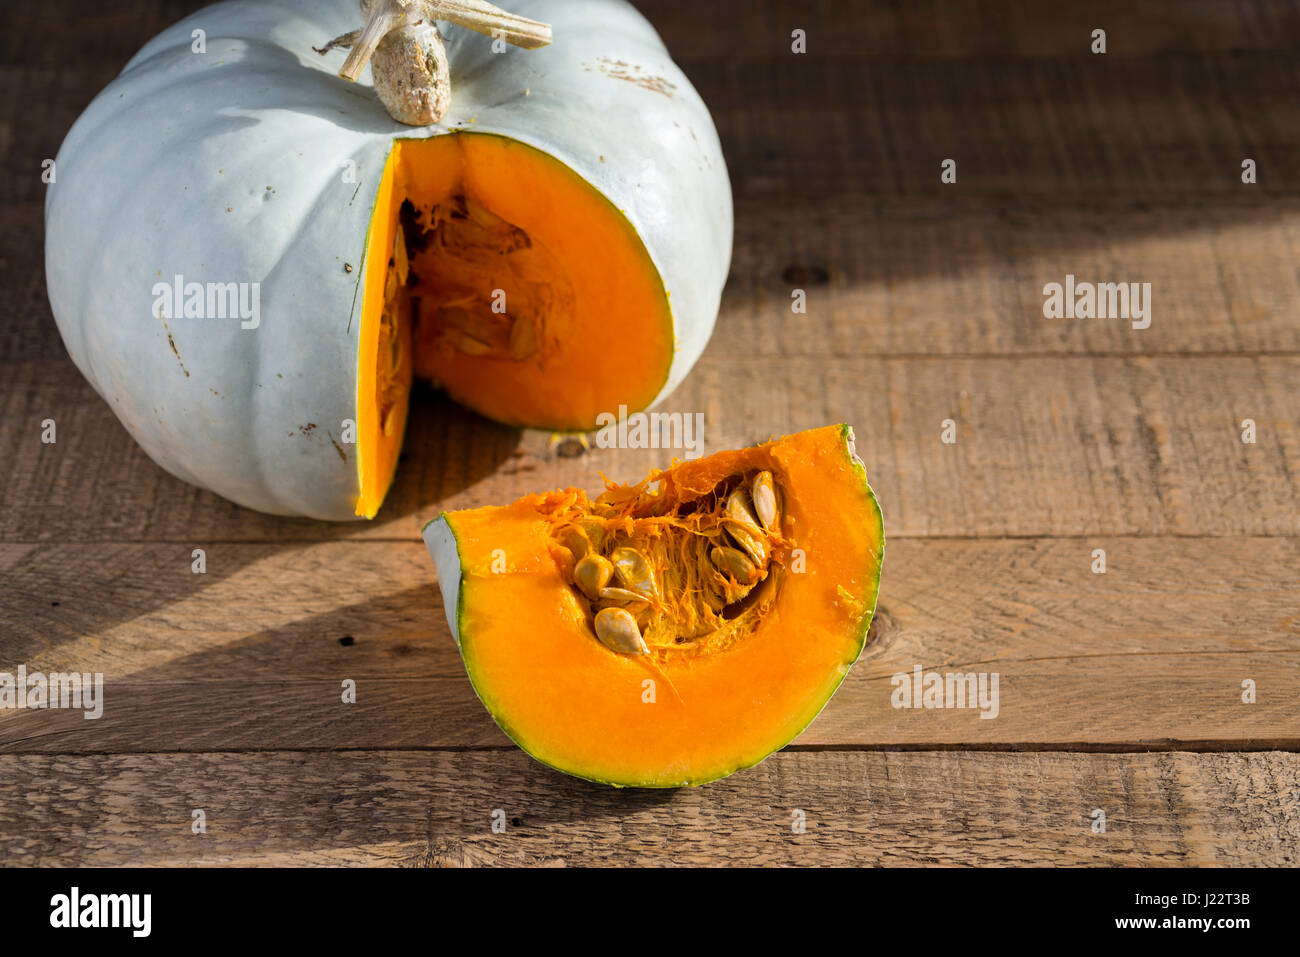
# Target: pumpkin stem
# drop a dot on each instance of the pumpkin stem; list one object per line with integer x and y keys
{"x": 483, "y": 17}
{"x": 383, "y": 18}
{"x": 423, "y": 65}
{"x": 345, "y": 41}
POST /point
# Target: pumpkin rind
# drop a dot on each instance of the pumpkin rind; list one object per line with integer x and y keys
{"x": 571, "y": 703}
{"x": 253, "y": 163}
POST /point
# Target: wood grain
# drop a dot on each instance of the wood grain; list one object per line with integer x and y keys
{"x": 959, "y": 276}
{"x": 1048, "y": 446}
{"x": 1069, "y": 132}
{"x": 435, "y": 808}
{"x": 252, "y": 655}
{"x": 1007, "y": 29}
{"x": 924, "y": 303}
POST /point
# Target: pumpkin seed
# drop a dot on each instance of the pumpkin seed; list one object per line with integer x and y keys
{"x": 639, "y": 610}
{"x": 633, "y": 570}
{"x": 403, "y": 266}
{"x": 763, "y": 493}
{"x": 468, "y": 345}
{"x": 595, "y": 533}
{"x": 618, "y": 631}
{"x": 733, "y": 562}
{"x": 523, "y": 338}
{"x": 638, "y": 607}
{"x": 713, "y": 597}
{"x": 592, "y": 573}
{"x": 744, "y": 536}
{"x": 622, "y": 594}
{"x": 395, "y": 350}
{"x": 740, "y": 510}
{"x": 729, "y": 567}
{"x": 575, "y": 540}
{"x": 480, "y": 215}
{"x": 455, "y": 316}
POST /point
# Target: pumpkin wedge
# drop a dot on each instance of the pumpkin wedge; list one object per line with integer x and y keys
{"x": 670, "y": 632}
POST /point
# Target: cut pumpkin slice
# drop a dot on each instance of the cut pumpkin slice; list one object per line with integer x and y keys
{"x": 670, "y": 632}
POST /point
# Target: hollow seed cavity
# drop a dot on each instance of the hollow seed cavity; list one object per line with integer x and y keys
{"x": 657, "y": 576}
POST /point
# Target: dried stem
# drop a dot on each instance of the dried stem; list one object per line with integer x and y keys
{"x": 482, "y": 17}
{"x": 409, "y": 25}
{"x": 385, "y": 17}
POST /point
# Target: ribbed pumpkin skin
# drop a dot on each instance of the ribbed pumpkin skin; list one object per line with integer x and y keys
{"x": 229, "y": 166}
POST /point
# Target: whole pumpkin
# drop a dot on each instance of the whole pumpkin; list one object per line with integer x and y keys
{"x": 249, "y": 259}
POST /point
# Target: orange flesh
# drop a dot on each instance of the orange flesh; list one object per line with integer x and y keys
{"x": 530, "y": 651}
{"x": 377, "y": 447}
{"x": 578, "y": 280}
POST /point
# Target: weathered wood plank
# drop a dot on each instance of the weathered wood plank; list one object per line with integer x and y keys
{"x": 1045, "y": 446}
{"x": 964, "y": 277}
{"x": 253, "y": 654}
{"x": 436, "y": 808}
{"x": 1069, "y": 132}
{"x": 1005, "y": 29}
{"x": 1123, "y": 167}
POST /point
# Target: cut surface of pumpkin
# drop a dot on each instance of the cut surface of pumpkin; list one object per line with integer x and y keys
{"x": 670, "y": 632}
{"x": 498, "y": 274}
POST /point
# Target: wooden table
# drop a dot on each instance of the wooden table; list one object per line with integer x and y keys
{"x": 1120, "y": 692}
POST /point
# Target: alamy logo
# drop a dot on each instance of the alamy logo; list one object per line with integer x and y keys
{"x": 103, "y": 910}
{"x": 650, "y": 430}
{"x": 57, "y": 689}
{"x": 954, "y": 690}
{"x": 179, "y": 299}
{"x": 1098, "y": 300}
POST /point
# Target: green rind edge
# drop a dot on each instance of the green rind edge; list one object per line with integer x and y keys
{"x": 869, "y": 601}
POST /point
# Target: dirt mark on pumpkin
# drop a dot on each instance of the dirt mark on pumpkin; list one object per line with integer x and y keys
{"x": 632, "y": 73}
{"x": 337, "y": 448}
{"x": 172, "y": 342}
